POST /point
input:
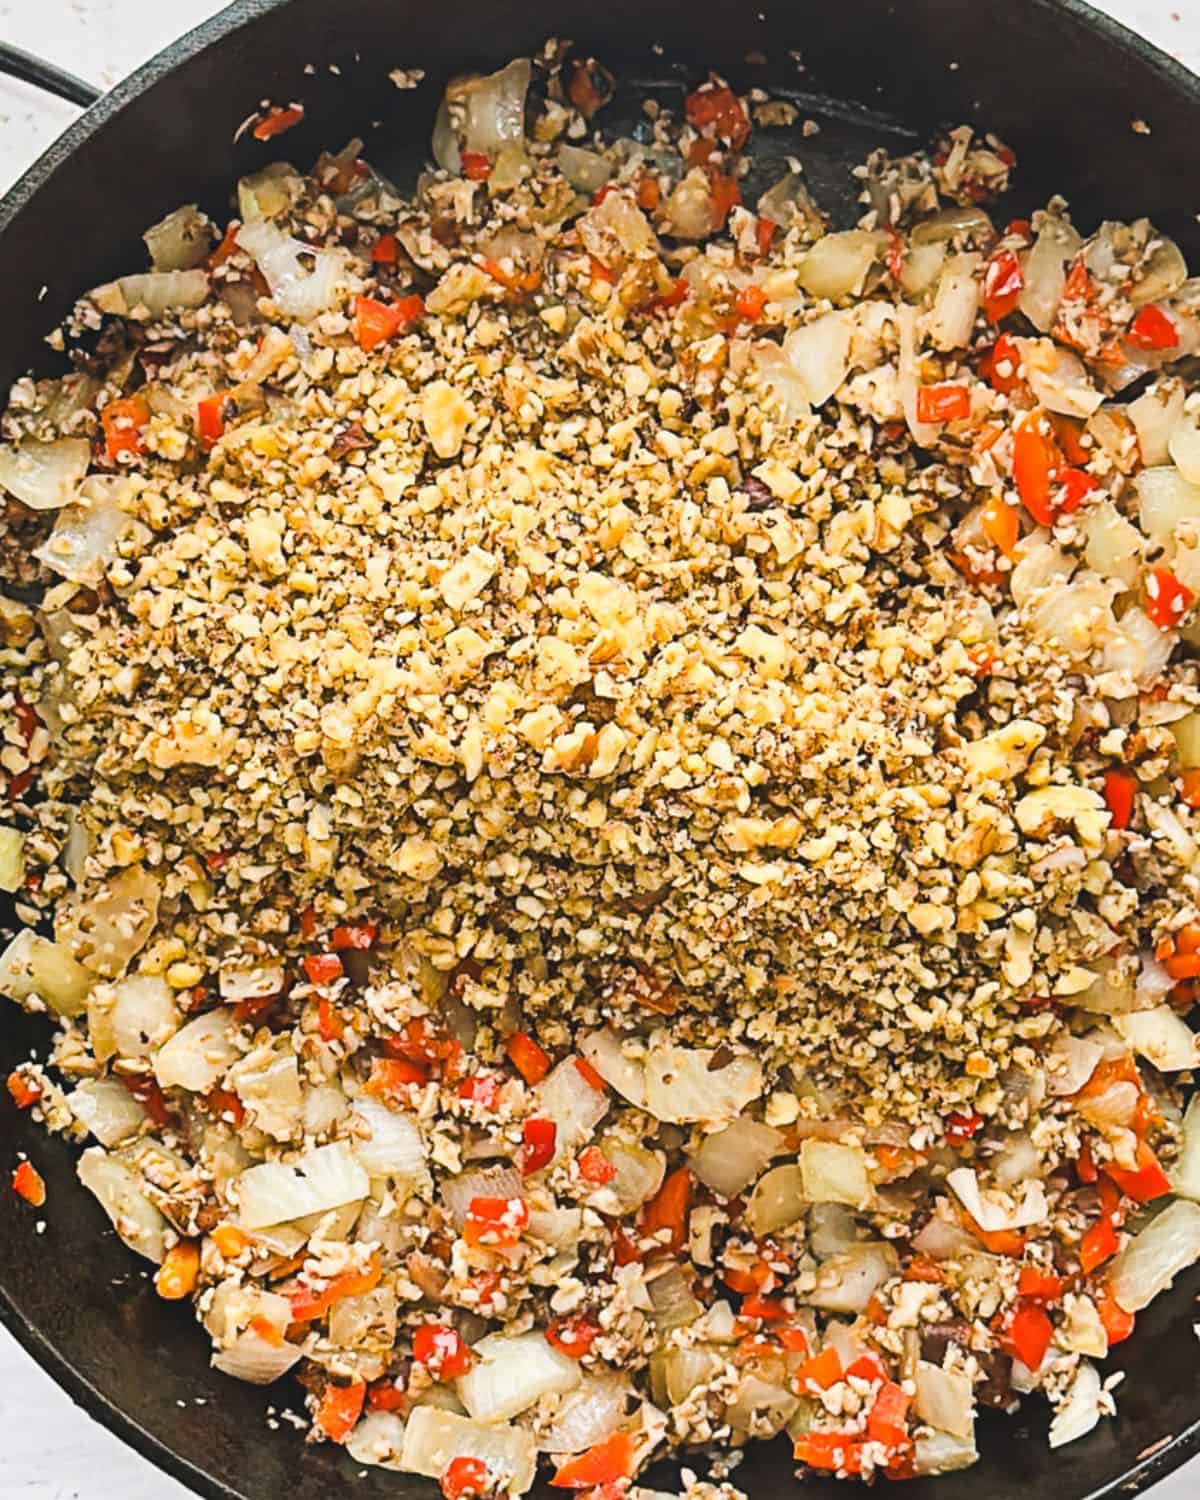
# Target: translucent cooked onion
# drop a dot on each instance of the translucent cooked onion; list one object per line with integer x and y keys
{"x": 269, "y": 192}
{"x": 729, "y": 1160}
{"x": 1184, "y": 446}
{"x": 275, "y": 1192}
{"x": 679, "y": 1370}
{"x": 1072, "y": 1060}
{"x": 922, "y": 268}
{"x": 394, "y": 1147}
{"x": 942, "y": 1238}
{"x": 639, "y": 1176}
{"x": 838, "y": 264}
{"x": 120, "y": 1192}
{"x": 132, "y": 1018}
{"x": 832, "y": 1228}
{"x": 760, "y": 1406}
{"x": 587, "y": 1415}
{"x": 955, "y": 303}
{"x": 1014, "y": 1161}
{"x": 180, "y": 241}
{"x": 846, "y": 1282}
{"x": 777, "y": 373}
{"x": 197, "y": 1056}
{"x": 1163, "y": 274}
{"x": 925, "y": 434}
{"x": 1059, "y": 379}
{"x": 684, "y": 1087}
{"x": 1154, "y": 415}
{"x": 107, "y": 1109}
{"x": 992, "y": 1210}
{"x": 1185, "y": 1171}
{"x": 150, "y": 294}
{"x": 945, "y": 1399}
{"x": 575, "y": 1105}
{"x": 44, "y": 476}
{"x": 378, "y": 1440}
{"x": 1081, "y": 1410}
{"x": 32, "y": 965}
{"x": 952, "y": 223}
{"x": 688, "y": 212}
{"x": 1150, "y": 1262}
{"x": 1161, "y": 1036}
{"x": 672, "y": 1300}
{"x": 486, "y": 113}
{"x": 106, "y": 931}
{"x": 820, "y": 355}
{"x": 1039, "y": 563}
{"x": 942, "y": 1453}
{"x": 366, "y": 1320}
{"x": 777, "y": 1201}
{"x": 833, "y": 1173}
{"x": 256, "y": 1360}
{"x": 268, "y": 1084}
{"x": 625, "y": 1074}
{"x": 1077, "y": 616}
{"x": 511, "y": 1373}
{"x": 496, "y": 1182}
{"x": 1045, "y": 271}
{"x": 1164, "y": 499}
{"x": 86, "y": 535}
{"x": 1113, "y": 545}
{"x": 300, "y": 292}
{"x": 585, "y": 170}
{"x": 433, "y": 1439}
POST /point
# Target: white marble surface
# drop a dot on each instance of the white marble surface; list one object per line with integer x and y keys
{"x": 51, "y": 1451}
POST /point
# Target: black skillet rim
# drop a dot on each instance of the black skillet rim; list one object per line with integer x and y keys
{"x": 93, "y": 1401}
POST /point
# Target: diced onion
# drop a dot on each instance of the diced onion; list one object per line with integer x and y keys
{"x": 575, "y": 1105}
{"x": 760, "y": 1406}
{"x": 496, "y": 1182}
{"x": 781, "y": 378}
{"x": 587, "y": 171}
{"x": 683, "y": 1086}
{"x": 587, "y": 1415}
{"x": 945, "y": 1400}
{"x": 119, "y": 1190}
{"x": 132, "y": 1018}
{"x": 33, "y": 965}
{"x": 604, "y": 1051}
{"x": 942, "y": 1453}
{"x": 482, "y": 114}
{"x": 832, "y": 1228}
{"x": 1081, "y": 1410}
{"x": 299, "y": 292}
{"x": 511, "y": 1372}
{"x": 1045, "y": 272}
{"x": 106, "y": 931}
{"x": 107, "y": 1109}
{"x": 995, "y": 1211}
{"x": 638, "y": 1177}
{"x": 1184, "y": 447}
{"x": 275, "y": 1192}
{"x": 955, "y": 303}
{"x": 86, "y": 535}
{"x": 1015, "y": 1160}
{"x": 1150, "y": 1262}
{"x": 1163, "y": 274}
{"x": 925, "y": 434}
{"x": 680, "y": 1369}
{"x": 942, "y": 1238}
{"x": 820, "y": 355}
{"x": 1161, "y": 1036}
{"x": 1059, "y": 379}
{"x": 394, "y": 1148}
{"x": 1185, "y": 1170}
{"x": 1187, "y": 740}
{"x": 268, "y": 193}
{"x": 730, "y": 1160}
{"x": 1073, "y": 1060}
{"x": 777, "y": 1200}
{"x": 256, "y": 1360}
{"x": 179, "y": 241}
{"x": 198, "y": 1055}
{"x": 952, "y": 223}
{"x": 833, "y": 1173}
{"x": 847, "y": 1282}
{"x": 1154, "y": 415}
{"x": 838, "y": 264}
{"x": 1113, "y": 544}
{"x": 1164, "y": 499}
{"x": 44, "y": 476}
{"x": 672, "y": 1299}
{"x": 150, "y": 294}
{"x": 433, "y": 1439}
{"x": 378, "y": 1440}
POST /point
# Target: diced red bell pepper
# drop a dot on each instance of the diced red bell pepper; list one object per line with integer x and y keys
{"x": 496, "y": 1222}
{"x": 476, "y": 165}
{"x": 794, "y": 1340}
{"x": 1167, "y": 600}
{"x": 339, "y": 1410}
{"x": 769, "y": 1309}
{"x": 668, "y": 1211}
{"x": 595, "y": 1167}
{"x": 122, "y": 422}
{"x": 1040, "y": 1286}
{"x": 442, "y": 1351}
{"x": 308, "y": 924}
{"x": 648, "y": 195}
{"x": 375, "y": 322}
{"x": 764, "y": 233}
{"x": 393, "y": 1077}
{"x": 1001, "y": 524}
{"x": 210, "y": 419}
{"x": 1098, "y": 1244}
{"x": 885, "y": 1422}
{"x": 606, "y": 1463}
{"x": 573, "y": 1336}
{"x": 386, "y": 250}
{"x": 1028, "y": 1335}
{"x": 589, "y": 1075}
{"x": 822, "y": 1371}
{"x": 277, "y": 120}
{"x": 1153, "y": 330}
{"x": 839, "y": 1452}
{"x": 1003, "y": 283}
{"x": 1000, "y": 366}
{"x": 719, "y": 107}
{"x": 1076, "y": 486}
{"x": 539, "y": 1138}
{"x": 330, "y": 1026}
{"x": 943, "y": 403}
{"x": 1145, "y": 1182}
{"x": 865, "y": 1367}
{"x": 360, "y": 937}
{"x": 323, "y": 968}
{"x": 1118, "y": 1324}
{"x": 223, "y": 1103}
{"x": 310, "y": 1303}
{"x": 725, "y": 195}
{"x": 751, "y": 302}
{"x": 1120, "y": 788}
{"x": 145, "y": 1088}
{"x": 1036, "y": 460}
{"x": 1085, "y": 1165}
{"x": 23, "y": 1091}
{"x": 28, "y": 1184}
{"x": 527, "y": 1057}
{"x": 386, "y": 1395}
{"x": 482, "y": 1089}
{"x": 465, "y": 1479}
{"x": 960, "y": 1128}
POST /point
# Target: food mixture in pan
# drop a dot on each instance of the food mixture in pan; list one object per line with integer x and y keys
{"x": 604, "y": 787}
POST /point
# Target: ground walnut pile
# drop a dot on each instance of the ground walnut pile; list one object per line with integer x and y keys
{"x": 615, "y": 610}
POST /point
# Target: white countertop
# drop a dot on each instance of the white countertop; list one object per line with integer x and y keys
{"x": 51, "y": 1450}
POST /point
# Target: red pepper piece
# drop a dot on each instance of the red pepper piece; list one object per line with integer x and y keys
{"x": 539, "y": 1138}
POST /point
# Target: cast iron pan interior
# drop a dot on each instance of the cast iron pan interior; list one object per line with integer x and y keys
{"x": 1060, "y": 83}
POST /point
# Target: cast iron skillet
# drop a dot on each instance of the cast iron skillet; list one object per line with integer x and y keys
{"x": 1060, "y": 83}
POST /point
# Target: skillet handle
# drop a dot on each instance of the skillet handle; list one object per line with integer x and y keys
{"x": 44, "y": 75}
